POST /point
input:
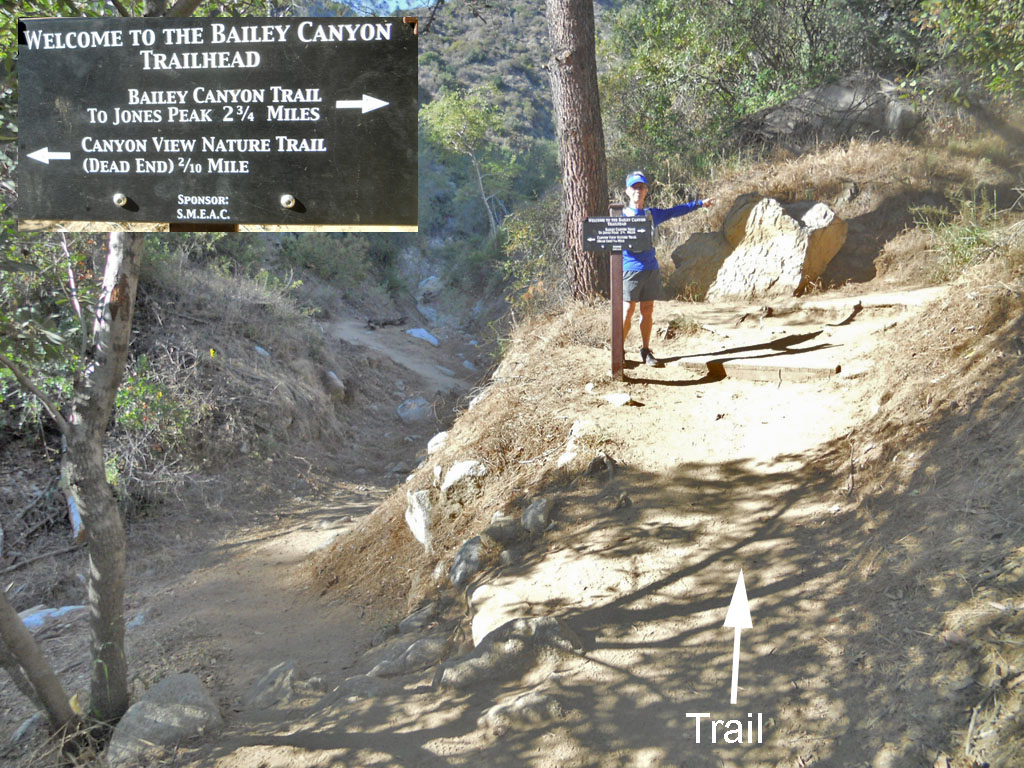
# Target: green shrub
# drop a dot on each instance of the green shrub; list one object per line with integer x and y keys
{"x": 531, "y": 260}
{"x": 986, "y": 36}
{"x": 963, "y": 236}
{"x": 339, "y": 259}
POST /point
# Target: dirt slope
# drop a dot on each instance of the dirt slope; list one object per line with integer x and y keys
{"x": 846, "y": 664}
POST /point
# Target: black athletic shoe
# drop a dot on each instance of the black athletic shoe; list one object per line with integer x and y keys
{"x": 648, "y": 357}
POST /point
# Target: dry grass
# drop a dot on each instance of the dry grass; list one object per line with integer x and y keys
{"x": 243, "y": 357}
{"x": 79, "y": 745}
{"x": 874, "y": 182}
{"x": 941, "y": 465}
{"x": 516, "y": 426}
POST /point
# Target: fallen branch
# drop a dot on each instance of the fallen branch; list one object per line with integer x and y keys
{"x": 24, "y": 510}
{"x": 54, "y": 553}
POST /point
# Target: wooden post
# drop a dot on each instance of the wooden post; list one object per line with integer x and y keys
{"x": 615, "y": 292}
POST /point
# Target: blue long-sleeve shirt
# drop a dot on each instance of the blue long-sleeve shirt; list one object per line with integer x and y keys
{"x": 638, "y": 262}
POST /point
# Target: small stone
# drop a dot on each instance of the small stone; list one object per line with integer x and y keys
{"x": 425, "y": 335}
{"x": 335, "y": 387}
{"x": 418, "y": 656}
{"x": 418, "y": 515}
{"x": 429, "y": 288}
{"x": 514, "y": 555}
{"x": 415, "y": 409}
{"x": 439, "y": 576}
{"x": 505, "y": 530}
{"x": 364, "y": 687}
{"x": 618, "y": 399}
{"x": 27, "y": 728}
{"x": 463, "y": 476}
{"x": 534, "y": 709}
{"x": 509, "y": 651}
{"x": 537, "y": 516}
{"x": 418, "y": 619}
{"x": 274, "y": 688}
{"x": 468, "y": 562}
{"x": 436, "y": 443}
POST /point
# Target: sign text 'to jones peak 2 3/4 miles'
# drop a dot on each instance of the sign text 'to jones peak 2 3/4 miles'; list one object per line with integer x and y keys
{"x": 284, "y": 121}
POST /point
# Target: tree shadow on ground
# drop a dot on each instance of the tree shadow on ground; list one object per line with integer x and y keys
{"x": 855, "y": 556}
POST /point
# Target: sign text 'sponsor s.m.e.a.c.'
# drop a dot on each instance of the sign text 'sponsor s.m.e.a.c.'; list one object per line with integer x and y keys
{"x": 282, "y": 121}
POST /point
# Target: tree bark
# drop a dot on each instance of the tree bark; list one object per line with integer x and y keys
{"x": 483, "y": 195}
{"x": 22, "y": 646}
{"x": 95, "y": 391}
{"x": 574, "y": 92}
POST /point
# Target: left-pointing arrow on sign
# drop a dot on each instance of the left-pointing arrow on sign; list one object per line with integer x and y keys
{"x": 367, "y": 104}
{"x": 44, "y": 155}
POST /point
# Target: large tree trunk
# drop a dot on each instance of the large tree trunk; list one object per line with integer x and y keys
{"x": 573, "y": 70}
{"x": 95, "y": 390}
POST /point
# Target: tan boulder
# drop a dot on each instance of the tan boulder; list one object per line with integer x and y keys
{"x": 734, "y": 228}
{"x": 783, "y": 251}
{"x": 697, "y": 263}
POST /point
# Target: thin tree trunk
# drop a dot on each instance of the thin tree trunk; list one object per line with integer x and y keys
{"x": 20, "y": 644}
{"x": 483, "y": 195}
{"x": 574, "y": 91}
{"x": 95, "y": 392}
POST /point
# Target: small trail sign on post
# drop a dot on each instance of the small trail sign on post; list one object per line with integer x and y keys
{"x": 613, "y": 233}
{"x": 278, "y": 121}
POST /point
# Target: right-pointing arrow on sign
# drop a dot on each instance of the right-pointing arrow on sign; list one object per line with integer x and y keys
{"x": 44, "y": 155}
{"x": 367, "y": 104}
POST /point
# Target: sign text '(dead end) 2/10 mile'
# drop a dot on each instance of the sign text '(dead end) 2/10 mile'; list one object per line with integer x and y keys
{"x": 262, "y": 121}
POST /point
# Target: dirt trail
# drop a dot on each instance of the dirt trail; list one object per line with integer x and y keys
{"x": 443, "y": 369}
{"x": 245, "y": 604}
{"x": 714, "y": 475}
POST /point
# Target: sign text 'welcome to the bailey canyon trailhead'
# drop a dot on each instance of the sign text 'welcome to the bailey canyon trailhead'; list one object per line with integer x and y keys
{"x": 283, "y": 121}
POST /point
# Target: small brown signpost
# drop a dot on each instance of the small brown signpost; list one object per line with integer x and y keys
{"x": 613, "y": 233}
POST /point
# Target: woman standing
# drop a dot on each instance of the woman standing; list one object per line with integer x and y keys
{"x": 641, "y": 277}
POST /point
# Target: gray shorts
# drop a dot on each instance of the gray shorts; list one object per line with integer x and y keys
{"x": 641, "y": 286}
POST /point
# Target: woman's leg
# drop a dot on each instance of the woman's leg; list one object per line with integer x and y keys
{"x": 646, "y": 322}
{"x": 627, "y": 319}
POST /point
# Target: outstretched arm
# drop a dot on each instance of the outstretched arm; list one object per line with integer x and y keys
{"x": 664, "y": 214}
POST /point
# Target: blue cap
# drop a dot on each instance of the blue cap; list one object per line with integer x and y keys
{"x": 636, "y": 177}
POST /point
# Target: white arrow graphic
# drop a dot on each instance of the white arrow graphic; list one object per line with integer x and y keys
{"x": 738, "y": 617}
{"x": 44, "y": 155}
{"x": 367, "y": 104}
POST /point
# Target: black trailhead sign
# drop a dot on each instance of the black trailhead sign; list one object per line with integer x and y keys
{"x": 283, "y": 121}
{"x": 613, "y": 233}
